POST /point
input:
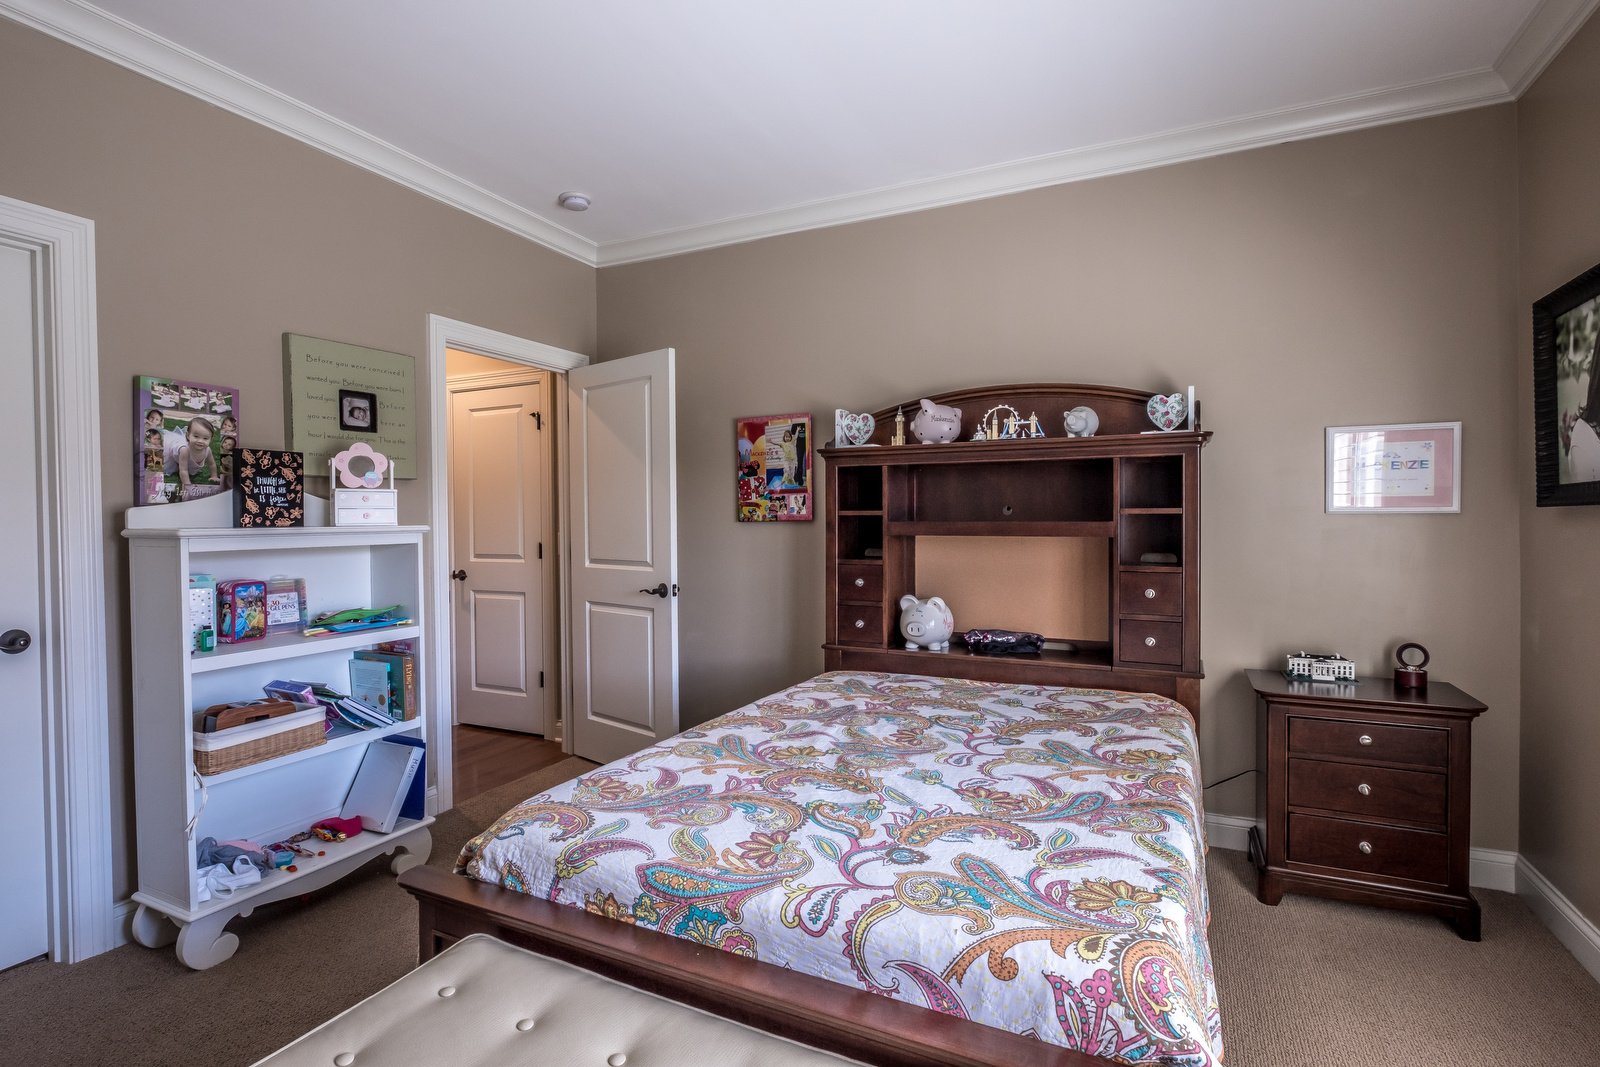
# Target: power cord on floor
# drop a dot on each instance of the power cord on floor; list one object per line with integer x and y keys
{"x": 1230, "y": 778}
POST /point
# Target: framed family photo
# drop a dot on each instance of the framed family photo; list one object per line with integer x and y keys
{"x": 1566, "y": 393}
{"x": 1395, "y": 468}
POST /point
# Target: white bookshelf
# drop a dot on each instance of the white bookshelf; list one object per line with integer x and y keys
{"x": 343, "y": 567}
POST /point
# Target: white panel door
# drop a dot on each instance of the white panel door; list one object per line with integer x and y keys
{"x": 25, "y": 931}
{"x": 622, "y": 457}
{"x": 499, "y": 487}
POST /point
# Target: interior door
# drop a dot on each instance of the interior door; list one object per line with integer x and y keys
{"x": 499, "y": 493}
{"x": 25, "y": 933}
{"x": 622, "y": 481}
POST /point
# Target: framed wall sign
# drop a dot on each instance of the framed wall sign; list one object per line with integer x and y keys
{"x": 337, "y": 394}
{"x": 1404, "y": 467}
{"x": 773, "y": 454}
{"x": 270, "y": 488}
{"x": 1566, "y": 393}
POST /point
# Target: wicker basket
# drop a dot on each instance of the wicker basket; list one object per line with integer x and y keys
{"x": 255, "y": 744}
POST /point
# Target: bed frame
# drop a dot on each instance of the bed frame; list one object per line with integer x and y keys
{"x": 1141, "y": 492}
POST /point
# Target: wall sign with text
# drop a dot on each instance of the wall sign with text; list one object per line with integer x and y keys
{"x": 1407, "y": 467}
{"x": 339, "y": 394}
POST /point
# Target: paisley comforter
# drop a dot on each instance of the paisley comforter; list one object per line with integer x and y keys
{"x": 1028, "y": 857}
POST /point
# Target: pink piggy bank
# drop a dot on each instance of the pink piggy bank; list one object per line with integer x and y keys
{"x": 936, "y": 424}
{"x": 926, "y": 623}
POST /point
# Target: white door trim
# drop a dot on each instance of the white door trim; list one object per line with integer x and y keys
{"x": 77, "y": 730}
{"x": 443, "y": 334}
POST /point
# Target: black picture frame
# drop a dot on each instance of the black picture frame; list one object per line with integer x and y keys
{"x": 358, "y": 411}
{"x": 1565, "y": 324}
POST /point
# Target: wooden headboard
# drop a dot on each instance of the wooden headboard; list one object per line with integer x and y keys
{"x": 1133, "y": 498}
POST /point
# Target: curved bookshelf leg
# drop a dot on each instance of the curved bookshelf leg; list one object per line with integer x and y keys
{"x": 152, "y": 929}
{"x": 413, "y": 851}
{"x": 203, "y": 944}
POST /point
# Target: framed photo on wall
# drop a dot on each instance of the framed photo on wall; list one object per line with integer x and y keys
{"x": 1566, "y": 393}
{"x": 773, "y": 464}
{"x": 1395, "y": 468}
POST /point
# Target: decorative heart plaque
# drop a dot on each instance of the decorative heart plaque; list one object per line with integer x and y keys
{"x": 853, "y": 430}
{"x": 1167, "y": 412}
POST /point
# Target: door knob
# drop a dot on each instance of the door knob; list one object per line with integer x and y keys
{"x": 660, "y": 591}
{"x": 459, "y": 576}
{"x": 13, "y": 642}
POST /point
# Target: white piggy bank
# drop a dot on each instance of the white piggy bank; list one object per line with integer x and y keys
{"x": 936, "y": 424}
{"x": 926, "y": 623}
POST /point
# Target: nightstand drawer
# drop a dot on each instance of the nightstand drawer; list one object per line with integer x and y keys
{"x": 1387, "y": 851}
{"x": 1421, "y": 745}
{"x": 1151, "y": 642}
{"x": 860, "y": 624}
{"x": 1149, "y": 594}
{"x": 1379, "y": 792}
{"x": 861, "y": 582}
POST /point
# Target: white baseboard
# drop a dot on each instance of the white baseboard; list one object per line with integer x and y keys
{"x": 1493, "y": 868}
{"x": 1490, "y": 868}
{"x": 1229, "y": 831}
{"x": 1580, "y": 936}
{"x": 122, "y": 921}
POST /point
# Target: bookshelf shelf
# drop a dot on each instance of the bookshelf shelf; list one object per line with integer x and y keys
{"x": 272, "y": 800}
{"x": 275, "y": 647}
{"x": 342, "y": 737}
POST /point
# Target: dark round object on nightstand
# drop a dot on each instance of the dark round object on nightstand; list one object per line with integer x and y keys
{"x": 1410, "y": 675}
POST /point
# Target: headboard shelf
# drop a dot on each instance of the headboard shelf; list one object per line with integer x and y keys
{"x": 1129, "y": 500}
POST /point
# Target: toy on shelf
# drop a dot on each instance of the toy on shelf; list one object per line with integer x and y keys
{"x": 202, "y": 612}
{"x": 351, "y": 619}
{"x": 241, "y": 610}
{"x": 926, "y": 623}
{"x": 936, "y": 424}
{"x": 359, "y": 498}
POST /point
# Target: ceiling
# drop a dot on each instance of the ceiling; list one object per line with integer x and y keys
{"x": 694, "y": 123}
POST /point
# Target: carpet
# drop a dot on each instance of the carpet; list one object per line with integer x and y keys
{"x": 1310, "y": 983}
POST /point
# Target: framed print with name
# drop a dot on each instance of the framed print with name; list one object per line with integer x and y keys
{"x": 1395, "y": 468}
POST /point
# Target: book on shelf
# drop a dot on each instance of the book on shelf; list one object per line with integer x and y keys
{"x": 299, "y": 692}
{"x": 382, "y": 785}
{"x": 370, "y": 682}
{"x": 402, "y": 679}
{"x": 365, "y": 712}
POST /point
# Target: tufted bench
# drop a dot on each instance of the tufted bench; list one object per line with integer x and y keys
{"x": 484, "y": 1003}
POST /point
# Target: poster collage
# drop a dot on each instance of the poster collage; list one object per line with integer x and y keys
{"x": 774, "y": 468}
{"x": 187, "y": 432}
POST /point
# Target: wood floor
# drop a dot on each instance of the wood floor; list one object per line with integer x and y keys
{"x": 486, "y": 758}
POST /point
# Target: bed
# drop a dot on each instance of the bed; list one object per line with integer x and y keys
{"x": 899, "y": 868}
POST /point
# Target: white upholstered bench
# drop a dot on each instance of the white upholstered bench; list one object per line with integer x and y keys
{"x": 484, "y": 1003}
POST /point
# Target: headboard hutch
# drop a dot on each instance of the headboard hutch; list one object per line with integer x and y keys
{"x": 1138, "y": 493}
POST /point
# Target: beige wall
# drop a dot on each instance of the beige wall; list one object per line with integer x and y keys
{"x": 1362, "y": 278}
{"x": 214, "y": 237}
{"x": 1559, "y": 154}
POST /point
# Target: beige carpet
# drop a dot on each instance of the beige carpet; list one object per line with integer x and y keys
{"x": 1310, "y": 983}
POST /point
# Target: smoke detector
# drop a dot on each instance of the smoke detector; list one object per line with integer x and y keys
{"x": 574, "y": 201}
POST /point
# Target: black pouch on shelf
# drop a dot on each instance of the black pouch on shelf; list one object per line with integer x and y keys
{"x": 1002, "y": 642}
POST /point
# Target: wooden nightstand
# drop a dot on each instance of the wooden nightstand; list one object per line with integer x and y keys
{"x": 1366, "y": 792}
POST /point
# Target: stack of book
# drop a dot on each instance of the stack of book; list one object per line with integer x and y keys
{"x": 340, "y": 709}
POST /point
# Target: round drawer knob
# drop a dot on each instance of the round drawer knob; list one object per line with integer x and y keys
{"x": 1150, "y": 642}
{"x": 861, "y": 624}
{"x": 1149, "y": 594}
{"x": 1365, "y": 739}
{"x": 861, "y": 583}
{"x": 1364, "y": 789}
{"x": 1365, "y": 847}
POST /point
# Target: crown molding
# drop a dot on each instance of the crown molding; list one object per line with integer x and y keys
{"x": 1547, "y": 31}
{"x": 1541, "y": 38}
{"x": 109, "y": 37}
{"x": 1455, "y": 93}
